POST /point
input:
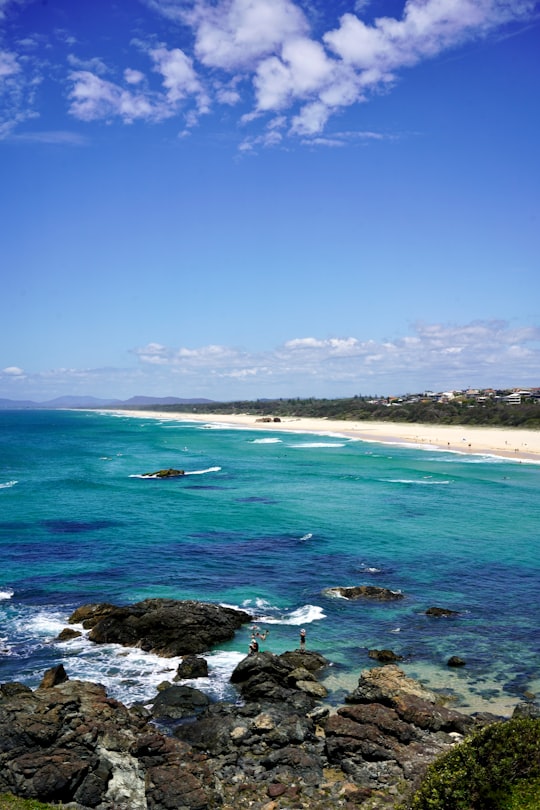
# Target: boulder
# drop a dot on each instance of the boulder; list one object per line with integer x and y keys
{"x": 53, "y": 677}
{"x": 385, "y": 684}
{"x": 455, "y": 661}
{"x": 176, "y": 702}
{"x": 364, "y": 592}
{"x": 67, "y": 634}
{"x": 166, "y": 627}
{"x": 192, "y": 666}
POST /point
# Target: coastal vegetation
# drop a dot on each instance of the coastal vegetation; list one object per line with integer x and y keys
{"x": 458, "y": 411}
{"x": 497, "y": 768}
{"x": 10, "y": 802}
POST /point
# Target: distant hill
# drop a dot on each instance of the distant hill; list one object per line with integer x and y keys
{"x": 95, "y": 402}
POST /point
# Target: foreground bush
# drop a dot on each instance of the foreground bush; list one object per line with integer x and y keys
{"x": 496, "y": 769}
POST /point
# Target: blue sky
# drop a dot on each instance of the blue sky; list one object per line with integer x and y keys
{"x": 268, "y": 198}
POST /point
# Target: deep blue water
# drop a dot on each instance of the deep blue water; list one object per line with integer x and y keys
{"x": 267, "y": 521}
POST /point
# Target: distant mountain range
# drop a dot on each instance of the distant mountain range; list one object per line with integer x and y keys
{"x": 95, "y": 402}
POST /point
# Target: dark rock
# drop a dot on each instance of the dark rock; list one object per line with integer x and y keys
{"x": 8, "y": 690}
{"x": 385, "y": 656}
{"x": 74, "y": 744}
{"x": 191, "y": 667}
{"x": 67, "y": 634}
{"x": 169, "y": 473}
{"x": 179, "y": 701}
{"x": 364, "y": 592}
{"x": 163, "y": 626}
{"x": 439, "y": 611}
{"x": 455, "y": 661}
{"x": 268, "y": 677}
{"x": 53, "y": 677}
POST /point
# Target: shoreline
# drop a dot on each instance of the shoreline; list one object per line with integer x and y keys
{"x": 509, "y": 443}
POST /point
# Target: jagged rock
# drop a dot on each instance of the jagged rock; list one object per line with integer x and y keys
{"x": 439, "y": 611}
{"x": 191, "y": 667}
{"x": 71, "y": 743}
{"x": 268, "y": 677}
{"x": 166, "y": 627}
{"x": 53, "y": 677}
{"x": 455, "y": 661}
{"x": 364, "y": 592}
{"x": 385, "y": 656}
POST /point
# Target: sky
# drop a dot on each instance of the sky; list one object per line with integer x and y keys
{"x": 241, "y": 199}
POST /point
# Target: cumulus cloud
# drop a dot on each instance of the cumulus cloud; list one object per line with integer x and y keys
{"x": 431, "y": 356}
{"x": 269, "y": 56}
{"x": 491, "y": 353}
{"x": 234, "y": 34}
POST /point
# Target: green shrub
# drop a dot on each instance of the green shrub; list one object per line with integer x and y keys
{"x": 496, "y": 769}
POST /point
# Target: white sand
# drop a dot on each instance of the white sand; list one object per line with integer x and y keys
{"x": 522, "y": 445}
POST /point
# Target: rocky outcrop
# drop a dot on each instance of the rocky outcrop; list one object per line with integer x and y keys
{"x": 281, "y": 678}
{"x": 71, "y": 743}
{"x": 169, "y": 473}
{"x": 439, "y": 611}
{"x": 385, "y": 656}
{"x": 68, "y": 742}
{"x": 163, "y": 626}
{"x": 364, "y": 592}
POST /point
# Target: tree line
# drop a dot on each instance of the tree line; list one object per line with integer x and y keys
{"x": 455, "y": 412}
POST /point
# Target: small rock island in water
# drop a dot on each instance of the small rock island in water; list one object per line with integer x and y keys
{"x": 169, "y": 473}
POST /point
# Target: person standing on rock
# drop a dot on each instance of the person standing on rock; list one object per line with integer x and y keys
{"x": 302, "y": 640}
{"x": 253, "y": 647}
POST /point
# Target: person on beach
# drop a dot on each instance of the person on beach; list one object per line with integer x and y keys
{"x": 302, "y": 640}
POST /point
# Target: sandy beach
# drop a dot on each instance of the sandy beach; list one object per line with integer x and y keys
{"x": 522, "y": 445}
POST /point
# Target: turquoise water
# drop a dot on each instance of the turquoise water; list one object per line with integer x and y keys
{"x": 267, "y": 521}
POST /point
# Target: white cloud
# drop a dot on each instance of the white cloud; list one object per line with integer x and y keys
{"x": 13, "y": 371}
{"x": 94, "y": 65}
{"x": 234, "y": 34}
{"x": 8, "y": 64}
{"x": 93, "y": 98}
{"x": 133, "y": 76}
{"x": 432, "y": 356}
{"x": 179, "y": 77}
{"x": 262, "y": 53}
{"x": 426, "y": 28}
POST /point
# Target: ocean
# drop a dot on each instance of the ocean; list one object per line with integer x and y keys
{"x": 268, "y": 521}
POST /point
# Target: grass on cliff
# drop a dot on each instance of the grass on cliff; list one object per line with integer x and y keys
{"x": 496, "y": 769}
{"x": 9, "y": 802}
